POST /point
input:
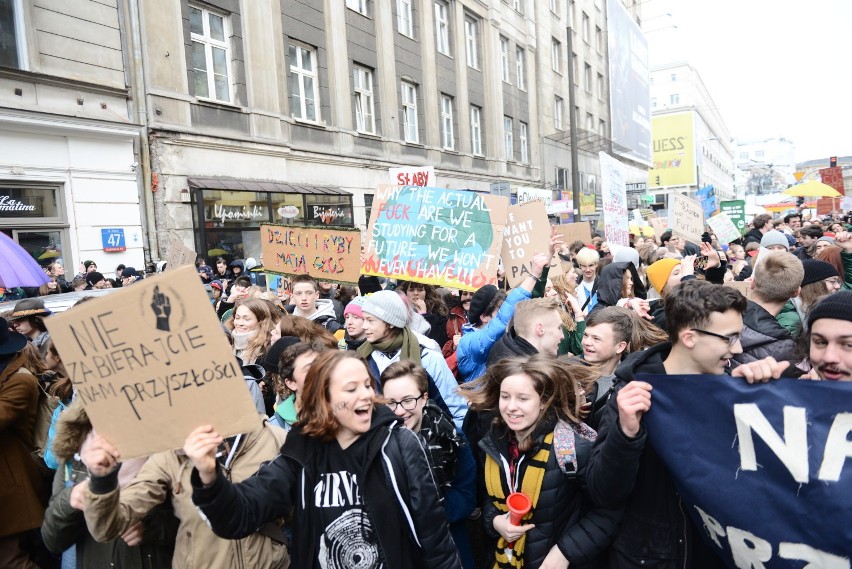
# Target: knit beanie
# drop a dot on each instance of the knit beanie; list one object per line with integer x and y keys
{"x": 622, "y": 254}
{"x": 775, "y": 237}
{"x": 828, "y": 239}
{"x": 94, "y": 278}
{"x": 837, "y": 306}
{"x": 272, "y": 358}
{"x": 659, "y": 272}
{"x": 817, "y": 271}
{"x": 355, "y": 307}
{"x": 386, "y": 305}
{"x": 87, "y": 264}
{"x": 479, "y": 303}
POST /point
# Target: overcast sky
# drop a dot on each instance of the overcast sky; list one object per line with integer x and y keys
{"x": 773, "y": 67}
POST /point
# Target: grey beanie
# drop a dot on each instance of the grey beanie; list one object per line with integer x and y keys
{"x": 828, "y": 239}
{"x": 387, "y": 305}
{"x": 775, "y": 237}
{"x": 622, "y": 254}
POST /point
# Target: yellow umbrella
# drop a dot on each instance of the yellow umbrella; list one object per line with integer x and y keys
{"x": 216, "y": 252}
{"x": 812, "y": 189}
{"x": 48, "y": 255}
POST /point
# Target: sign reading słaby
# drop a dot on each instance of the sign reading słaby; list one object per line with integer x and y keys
{"x": 150, "y": 364}
{"x": 325, "y": 254}
{"x": 435, "y": 236}
{"x": 412, "y": 176}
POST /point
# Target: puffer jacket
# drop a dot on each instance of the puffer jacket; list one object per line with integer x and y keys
{"x": 65, "y": 526}
{"x": 20, "y": 482}
{"x": 510, "y": 345}
{"x": 395, "y": 484}
{"x": 564, "y": 515}
{"x": 110, "y": 512}
{"x": 763, "y": 336}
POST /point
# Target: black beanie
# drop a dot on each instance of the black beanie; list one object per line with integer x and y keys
{"x": 479, "y": 303}
{"x": 369, "y": 285}
{"x": 837, "y": 306}
{"x": 94, "y": 278}
{"x": 817, "y": 270}
{"x": 272, "y": 358}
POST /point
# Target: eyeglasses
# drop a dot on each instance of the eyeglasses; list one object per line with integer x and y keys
{"x": 834, "y": 281}
{"x": 730, "y": 339}
{"x": 409, "y": 403}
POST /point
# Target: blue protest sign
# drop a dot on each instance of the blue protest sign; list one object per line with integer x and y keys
{"x": 113, "y": 240}
{"x": 761, "y": 468}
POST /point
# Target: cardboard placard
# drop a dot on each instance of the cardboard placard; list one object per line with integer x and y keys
{"x": 579, "y": 231}
{"x": 526, "y": 233}
{"x": 724, "y": 228}
{"x": 413, "y": 176}
{"x": 660, "y": 225}
{"x": 435, "y": 236}
{"x": 614, "y": 200}
{"x": 179, "y": 255}
{"x": 150, "y": 363}
{"x": 743, "y": 286}
{"x": 825, "y": 206}
{"x": 323, "y": 253}
{"x": 687, "y": 219}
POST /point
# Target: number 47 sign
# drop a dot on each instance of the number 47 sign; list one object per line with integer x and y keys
{"x": 113, "y": 240}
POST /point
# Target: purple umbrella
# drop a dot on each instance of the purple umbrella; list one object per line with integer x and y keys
{"x": 17, "y": 267}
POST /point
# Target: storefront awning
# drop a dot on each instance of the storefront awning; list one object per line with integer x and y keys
{"x": 237, "y": 185}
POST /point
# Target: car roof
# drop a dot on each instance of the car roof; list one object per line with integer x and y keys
{"x": 60, "y": 302}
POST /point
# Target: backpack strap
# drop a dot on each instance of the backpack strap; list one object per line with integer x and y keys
{"x": 591, "y": 294}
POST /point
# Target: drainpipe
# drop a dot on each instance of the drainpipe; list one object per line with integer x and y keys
{"x": 137, "y": 107}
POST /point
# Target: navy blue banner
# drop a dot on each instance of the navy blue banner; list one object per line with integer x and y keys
{"x": 763, "y": 468}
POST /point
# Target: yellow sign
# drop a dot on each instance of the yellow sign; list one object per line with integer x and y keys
{"x": 674, "y": 151}
{"x": 799, "y": 175}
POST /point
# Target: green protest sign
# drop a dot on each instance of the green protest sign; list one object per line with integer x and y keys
{"x": 736, "y": 212}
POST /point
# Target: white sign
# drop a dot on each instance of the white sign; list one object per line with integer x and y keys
{"x": 614, "y": 201}
{"x": 413, "y": 176}
{"x": 724, "y": 228}
{"x": 526, "y": 195}
{"x": 686, "y": 218}
{"x": 238, "y": 213}
{"x": 8, "y": 204}
{"x": 288, "y": 211}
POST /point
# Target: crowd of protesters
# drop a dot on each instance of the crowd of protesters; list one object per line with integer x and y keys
{"x": 394, "y": 418}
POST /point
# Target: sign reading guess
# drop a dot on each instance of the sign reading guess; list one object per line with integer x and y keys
{"x": 412, "y": 176}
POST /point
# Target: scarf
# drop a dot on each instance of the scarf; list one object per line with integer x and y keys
{"x": 241, "y": 342}
{"x": 406, "y": 342}
{"x": 531, "y": 486}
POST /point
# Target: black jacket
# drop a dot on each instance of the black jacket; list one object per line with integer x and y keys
{"x": 396, "y": 485}
{"x": 753, "y": 236}
{"x": 564, "y": 516}
{"x": 510, "y": 345}
{"x": 763, "y": 336}
{"x": 609, "y": 284}
{"x": 656, "y": 531}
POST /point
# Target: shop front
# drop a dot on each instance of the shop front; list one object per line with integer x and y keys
{"x": 34, "y": 216}
{"x": 227, "y": 214}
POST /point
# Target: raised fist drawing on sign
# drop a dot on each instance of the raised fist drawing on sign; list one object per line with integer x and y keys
{"x": 162, "y": 309}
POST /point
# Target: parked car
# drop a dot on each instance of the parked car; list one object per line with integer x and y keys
{"x": 59, "y": 302}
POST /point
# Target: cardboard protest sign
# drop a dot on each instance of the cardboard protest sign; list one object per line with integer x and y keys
{"x": 449, "y": 238}
{"x": 687, "y": 219}
{"x": 150, "y": 363}
{"x": 826, "y": 206}
{"x": 742, "y": 286}
{"x": 775, "y": 460}
{"x": 579, "y": 231}
{"x": 413, "y": 176}
{"x": 614, "y": 200}
{"x": 724, "y": 228}
{"x": 323, "y": 253}
{"x": 736, "y": 211}
{"x": 179, "y": 255}
{"x": 660, "y": 224}
{"x": 526, "y": 233}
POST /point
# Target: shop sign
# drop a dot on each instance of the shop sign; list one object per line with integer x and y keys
{"x": 239, "y": 213}
{"x": 113, "y": 240}
{"x": 8, "y": 204}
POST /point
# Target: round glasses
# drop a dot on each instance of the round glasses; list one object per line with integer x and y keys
{"x": 409, "y": 403}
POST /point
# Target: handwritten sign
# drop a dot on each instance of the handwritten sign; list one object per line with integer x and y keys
{"x": 579, "y": 231}
{"x": 325, "y": 254}
{"x": 724, "y": 228}
{"x": 833, "y": 177}
{"x": 413, "y": 176}
{"x": 687, "y": 218}
{"x": 435, "y": 236}
{"x": 150, "y": 364}
{"x": 614, "y": 200}
{"x": 660, "y": 224}
{"x": 179, "y": 255}
{"x": 526, "y": 195}
{"x": 527, "y": 232}
{"x": 826, "y": 206}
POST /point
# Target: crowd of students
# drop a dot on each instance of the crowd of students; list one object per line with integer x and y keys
{"x": 395, "y": 418}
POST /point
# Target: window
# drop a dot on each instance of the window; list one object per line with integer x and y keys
{"x": 674, "y": 99}
{"x": 520, "y": 65}
{"x": 12, "y": 40}
{"x": 590, "y": 122}
{"x": 758, "y": 153}
{"x": 653, "y": 102}
{"x": 602, "y": 128}
{"x": 571, "y": 13}
{"x": 404, "y": 19}
{"x": 586, "y": 27}
{"x": 362, "y": 80}
{"x": 304, "y": 86}
{"x": 525, "y": 151}
{"x": 674, "y": 77}
{"x": 210, "y": 54}
{"x": 409, "y": 112}
{"x": 359, "y": 6}
{"x": 471, "y": 42}
{"x": 508, "y": 140}
{"x": 442, "y": 27}
{"x": 743, "y": 155}
{"x": 587, "y": 77}
{"x": 554, "y": 6}
{"x": 557, "y": 113}
{"x": 576, "y": 64}
{"x": 599, "y": 39}
{"x": 476, "y": 130}
{"x": 504, "y": 59}
{"x": 447, "y": 141}
{"x": 556, "y": 55}
{"x": 601, "y": 87}
{"x": 518, "y": 6}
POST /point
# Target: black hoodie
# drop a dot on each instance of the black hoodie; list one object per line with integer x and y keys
{"x": 656, "y": 530}
{"x": 395, "y": 483}
{"x": 610, "y": 283}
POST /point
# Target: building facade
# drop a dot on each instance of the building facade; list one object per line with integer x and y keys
{"x": 764, "y": 165}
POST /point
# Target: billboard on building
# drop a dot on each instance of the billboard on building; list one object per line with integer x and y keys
{"x": 674, "y": 151}
{"x": 629, "y": 85}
